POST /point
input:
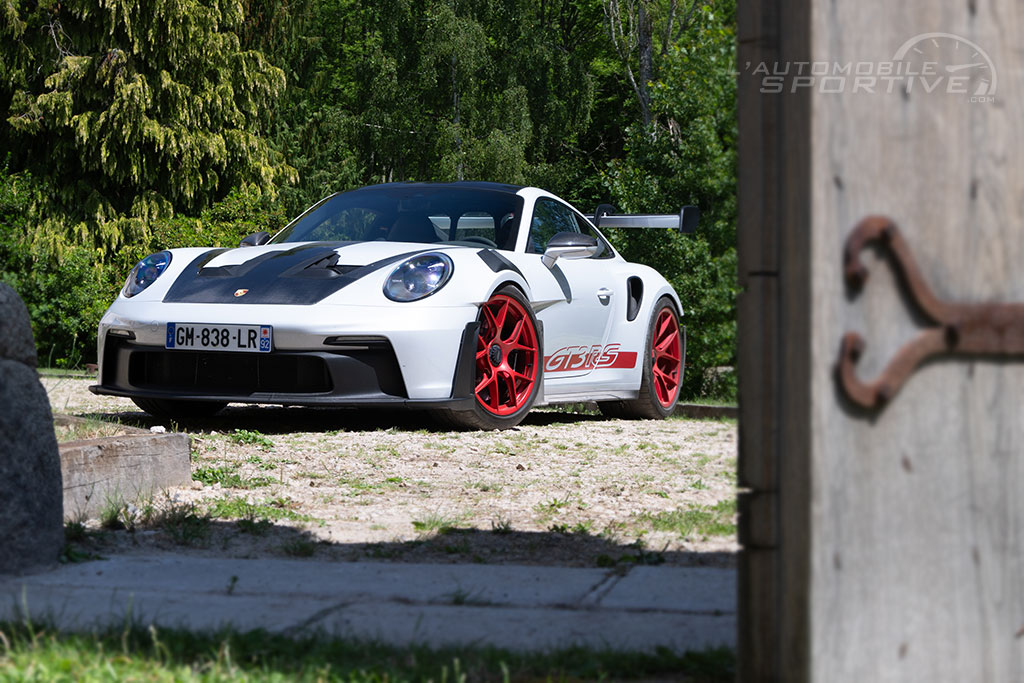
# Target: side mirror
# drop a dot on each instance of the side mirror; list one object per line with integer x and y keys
{"x": 256, "y": 239}
{"x": 570, "y": 245}
{"x": 688, "y": 219}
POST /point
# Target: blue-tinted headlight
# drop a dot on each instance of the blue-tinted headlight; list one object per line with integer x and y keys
{"x": 418, "y": 277}
{"x": 146, "y": 272}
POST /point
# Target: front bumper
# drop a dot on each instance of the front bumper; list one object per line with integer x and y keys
{"x": 391, "y": 369}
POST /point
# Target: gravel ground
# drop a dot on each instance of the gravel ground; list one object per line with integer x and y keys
{"x": 563, "y": 488}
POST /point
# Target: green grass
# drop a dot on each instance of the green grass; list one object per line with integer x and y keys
{"x": 434, "y": 523}
{"x": 244, "y": 436}
{"x": 261, "y": 463}
{"x": 236, "y": 508}
{"x": 70, "y": 373}
{"x": 184, "y": 524}
{"x": 299, "y": 547}
{"x": 86, "y": 429}
{"x": 551, "y": 506}
{"x": 229, "y": 478}
{"x": 697, "y": 520}
{"x": 33, "y": 653}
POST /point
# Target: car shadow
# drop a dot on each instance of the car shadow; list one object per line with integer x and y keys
{"x": 277, "y": 420}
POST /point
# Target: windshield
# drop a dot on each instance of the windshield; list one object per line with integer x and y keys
{"x": 411, "y": 213}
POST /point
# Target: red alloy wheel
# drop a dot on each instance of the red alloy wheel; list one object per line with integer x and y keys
{"x": 507, "y": 357}
{"x": 666, "y": 357}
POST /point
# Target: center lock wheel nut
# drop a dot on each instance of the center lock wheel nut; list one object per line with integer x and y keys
{"x": 494, "y": 355}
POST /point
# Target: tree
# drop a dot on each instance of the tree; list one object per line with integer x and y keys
{"x": 687, "y": 155}
{"x": 631, "y": 26}
{"x": 131, "y": 111}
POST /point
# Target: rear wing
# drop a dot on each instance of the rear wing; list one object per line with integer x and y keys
{"x": 685, "y": 221}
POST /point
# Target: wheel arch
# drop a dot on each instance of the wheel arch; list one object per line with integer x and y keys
{"x": 510, "y": 279}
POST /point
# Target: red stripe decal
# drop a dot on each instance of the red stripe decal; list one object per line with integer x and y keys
{"x": 575, "y": 358}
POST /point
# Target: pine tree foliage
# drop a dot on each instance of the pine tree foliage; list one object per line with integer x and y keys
{"x": 441, "y": 90}
{"x": 131, "y": 111}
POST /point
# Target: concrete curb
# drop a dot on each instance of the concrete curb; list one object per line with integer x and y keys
{"x": 702, "y": 412}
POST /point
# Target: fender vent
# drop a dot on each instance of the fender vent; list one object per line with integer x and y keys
{"x": 635, "y": 289}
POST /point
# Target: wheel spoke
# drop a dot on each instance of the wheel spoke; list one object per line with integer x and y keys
{"x": 670, "y": 340}
{"x": 663, "y": 393}
{"x": 492, "y": 398}
{"x": 487, "y": 379}
{"x": 516, "y": 332}
{"x": 499, "y": 320}
{"x": 510, "y": 385}
{"x": 671, "y": 356}
{"x": 663, "y": 324}
{"x": 489, "y": 322}
{"x": 521, "y": 376}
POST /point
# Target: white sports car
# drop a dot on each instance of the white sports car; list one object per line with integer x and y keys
{"x": 476, "y": 300}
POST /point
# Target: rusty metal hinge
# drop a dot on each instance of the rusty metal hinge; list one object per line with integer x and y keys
{"x": 976, "y": 329}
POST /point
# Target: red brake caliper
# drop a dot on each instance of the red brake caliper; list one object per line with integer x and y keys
{"x": 506, "y": 356}
{"x": 666, "y": 357}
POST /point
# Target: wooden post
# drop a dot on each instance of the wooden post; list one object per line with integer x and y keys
{"x": 878, "y": 545}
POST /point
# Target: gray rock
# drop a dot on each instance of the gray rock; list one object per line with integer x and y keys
{"x": 16, "y": 341}
{"x": 31, "y": 491}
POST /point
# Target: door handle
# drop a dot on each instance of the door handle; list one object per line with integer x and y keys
{"x": 604, "y": 295}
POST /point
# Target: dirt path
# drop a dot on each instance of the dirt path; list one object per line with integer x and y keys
{"x": 561, "y": 489}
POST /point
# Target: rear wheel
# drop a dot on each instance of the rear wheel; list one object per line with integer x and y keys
{"x": 508, "y": 365}
{"x": 178, "y": 408}
{"x": 663, "y": 369}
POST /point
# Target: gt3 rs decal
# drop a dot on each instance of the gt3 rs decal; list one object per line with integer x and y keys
{"x": 303, "y": 275}
{"x": 570, "y": 358}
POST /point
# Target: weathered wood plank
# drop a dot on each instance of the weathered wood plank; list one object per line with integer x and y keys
{"x": 774, "y": 344}
{"x": 901, "y": 536}
{"x": 121, "y": 469}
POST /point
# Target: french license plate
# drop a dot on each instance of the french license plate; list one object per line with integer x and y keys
{"x": 248, "y": 338}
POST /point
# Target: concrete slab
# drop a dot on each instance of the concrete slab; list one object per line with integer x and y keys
{"x": 515, "y": 607}
{"x": 347, "y": 581}
{"x": 531, "y": 629}
{"x": 687, "y": 589}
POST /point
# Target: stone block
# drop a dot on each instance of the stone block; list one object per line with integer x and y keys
{"x": 16, "y": 340}
{"x": 31, "y": 510}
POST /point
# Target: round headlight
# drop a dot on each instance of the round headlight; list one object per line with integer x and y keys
{"x": 146, "y": 272}
{"x": 418, "y": 277}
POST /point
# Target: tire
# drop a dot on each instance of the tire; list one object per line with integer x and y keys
{"x": 509, "y": 365}
{"x": 664, "y": 359}
{"x": 177, "y": 408}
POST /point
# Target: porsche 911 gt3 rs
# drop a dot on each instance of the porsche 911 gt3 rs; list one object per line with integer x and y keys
{"x": 476, "y": 300}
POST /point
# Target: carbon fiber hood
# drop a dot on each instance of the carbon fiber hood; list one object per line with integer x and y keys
{"x": 302, "y": 274}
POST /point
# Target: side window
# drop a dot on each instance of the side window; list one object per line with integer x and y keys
{"x": 549, "y": 218}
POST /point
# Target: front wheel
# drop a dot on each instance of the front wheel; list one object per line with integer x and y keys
{"x": 508, "y": 364}
{"x": 665, "y": 355}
